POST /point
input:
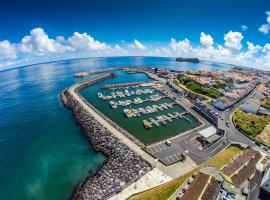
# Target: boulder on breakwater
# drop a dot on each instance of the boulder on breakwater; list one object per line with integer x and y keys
{"x": 122, "y": 167}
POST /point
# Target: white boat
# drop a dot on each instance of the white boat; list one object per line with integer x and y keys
{"x": 100, "y": 95}
{"x": 186, "y": 118}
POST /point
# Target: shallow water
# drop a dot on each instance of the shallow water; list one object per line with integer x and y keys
{"x": 43, "y": 153}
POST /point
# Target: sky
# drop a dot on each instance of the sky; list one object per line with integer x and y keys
{"x": 231, "y": 31}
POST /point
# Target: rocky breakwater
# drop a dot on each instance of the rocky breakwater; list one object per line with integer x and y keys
{"x": 122, "y": 166}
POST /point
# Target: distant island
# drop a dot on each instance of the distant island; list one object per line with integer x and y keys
{"x": 193, "y": 60}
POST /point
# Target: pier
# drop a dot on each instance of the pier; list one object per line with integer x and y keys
{"x": 122, "y": 85}
{"x": 93, "y": 80}
{"x": 136, "y": 101}
{"x": 82, "y": 74}
{"x": 147, "y": 110}
{"x": 125, "y": 93}
{"x": 164, "y": 119}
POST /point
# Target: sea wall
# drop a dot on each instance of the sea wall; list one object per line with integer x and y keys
{"x": 82, "y": 74}
{"x": 122, "y": 166}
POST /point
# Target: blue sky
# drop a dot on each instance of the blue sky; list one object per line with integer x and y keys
{"x": 151, "y": 23}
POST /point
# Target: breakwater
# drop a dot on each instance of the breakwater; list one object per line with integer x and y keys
{"x": 82, "y": 74}
{"x": 122, "y": 167}
{"x": 122, "y": 85}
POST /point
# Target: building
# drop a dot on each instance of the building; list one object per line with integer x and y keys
{"x": 208, "y": 136}
{"x": 250, "y": 108}
{"x": 265, "y": 184}
{"x": 174, "y": 87}
{"x": 230, "y": 191}
{"x": 204, "y": 187}
{"x": 206, "y": 112}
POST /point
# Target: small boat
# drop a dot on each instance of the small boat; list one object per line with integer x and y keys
{"x": 100, "y": 95}
{"x": 147, "y": 124}
{"x": 187, "y": 118}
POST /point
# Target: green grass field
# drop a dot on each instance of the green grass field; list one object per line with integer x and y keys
{"x": 250, "y": 124}
{"x": 266, "y": 104}
{"x": 195, "y": 87}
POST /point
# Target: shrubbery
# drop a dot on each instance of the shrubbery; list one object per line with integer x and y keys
{"x": 195, "y": 87}
{"x": 266, "y": 104}
{"x": 250, "y": 124}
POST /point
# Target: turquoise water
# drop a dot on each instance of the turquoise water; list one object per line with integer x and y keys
{"x": 43, "y": 153}
{"x": 135, "y": 125}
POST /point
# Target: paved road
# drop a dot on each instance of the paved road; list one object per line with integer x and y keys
{"x": 231, "y": 132}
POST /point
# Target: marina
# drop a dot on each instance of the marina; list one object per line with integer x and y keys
{"x": 132, "y": 106}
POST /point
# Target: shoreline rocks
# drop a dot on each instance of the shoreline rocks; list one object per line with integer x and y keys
{"x": 122, "y": 166}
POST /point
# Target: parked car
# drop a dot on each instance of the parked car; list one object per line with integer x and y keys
{"x": 168, "y": 142}
{"x": 228, "y": 124}
{"x": 257, "y": 143}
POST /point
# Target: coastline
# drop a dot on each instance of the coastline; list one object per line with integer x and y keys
{"x": 122, "y": 166}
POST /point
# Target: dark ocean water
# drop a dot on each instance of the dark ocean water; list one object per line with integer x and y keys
{"x": 43, "y": 153}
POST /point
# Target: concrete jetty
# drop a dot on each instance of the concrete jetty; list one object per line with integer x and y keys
{"x": 122, "y": 85}
{"x": 82, "y": 74}
{"x": 123, "y": 166}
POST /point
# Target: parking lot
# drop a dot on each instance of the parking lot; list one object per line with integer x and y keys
{"x": 184, "y": 144}
{"x": 166, "y": 154}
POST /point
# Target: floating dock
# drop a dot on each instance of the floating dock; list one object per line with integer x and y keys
{"x": 136, "y": 112}
{"x": 136, "y": 101}
{"x": 122, "y": 85}
{"x": 164, "y": 119}
{"x": 125, "y": 93}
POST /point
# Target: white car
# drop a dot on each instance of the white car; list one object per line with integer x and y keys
{"x": 168, "y": 142}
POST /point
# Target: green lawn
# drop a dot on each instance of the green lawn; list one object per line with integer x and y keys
{"x": 165, "y": 190}
{"x": 250, "y": 124}
{"x": 266, "y": 104}
{"x": 210, "y": 92}
{"x": 195, "y": 87}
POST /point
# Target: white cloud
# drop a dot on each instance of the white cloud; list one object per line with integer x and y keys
{"x": 119, "y": 50}
{"x": 266, "y": 48}
{"x": 39, "y": 47}
{"x": 7, "y": 50}
{"x": 85, "y": 42}
{"x": 38, "y": 42}
{"x": 268, "y": 16}
{"x": 244, "y": 27}
{"x": 181, "y": 47}
{"x": 253, "y": 48}
{"x": 138, "y": 45}
{"x": 233, "y": 40}
{"x": 265, "y": 28}
{"x": 206, "y": 40}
